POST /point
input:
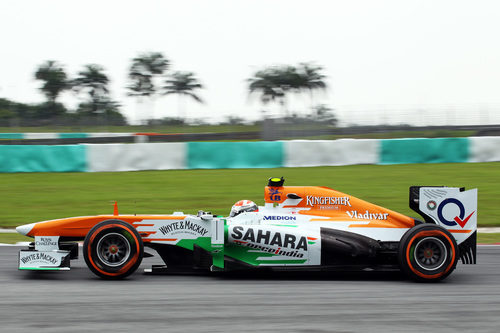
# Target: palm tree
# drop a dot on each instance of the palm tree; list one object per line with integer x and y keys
{"x": 54, "y": 78}
{"x": 264, "y": 82}
{"x": 142, "y": 72}
{"x": 94, "y": 82}
{"x": 182, "y": 84}
{"x": 273, "y": 83}
{"x": 311, "y": 79}
{"x": 142, "y": 75}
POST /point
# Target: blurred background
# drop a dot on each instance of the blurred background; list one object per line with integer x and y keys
{"x": 174, "y": 67}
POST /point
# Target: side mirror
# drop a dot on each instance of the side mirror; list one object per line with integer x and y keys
{"x": 207, "y": 217}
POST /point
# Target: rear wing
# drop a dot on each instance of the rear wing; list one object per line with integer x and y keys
{"x": 453, "y": 208}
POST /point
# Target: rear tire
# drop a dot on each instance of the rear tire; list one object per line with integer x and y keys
{"x": 427, "y": 253}
{"x": 113, "y": 249}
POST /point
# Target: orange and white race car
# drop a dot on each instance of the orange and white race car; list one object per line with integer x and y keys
{"x": 299, "y": 227}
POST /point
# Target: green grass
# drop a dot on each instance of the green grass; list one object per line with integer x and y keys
{"x": 488, "y": 238}
{"x": 13, "y": 238}
{"x": 31, "y": 197}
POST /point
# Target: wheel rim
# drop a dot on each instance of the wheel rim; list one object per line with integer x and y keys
{"x": 430, "y": 253}
{"x": 113, "y": 249}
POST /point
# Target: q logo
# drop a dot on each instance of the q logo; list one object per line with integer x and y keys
{"x": 458, "y": 219}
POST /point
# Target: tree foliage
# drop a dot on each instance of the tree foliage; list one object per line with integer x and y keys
{"x": 109, "y": 113}
{"x": 142, "y": 72}
{"x": 271, "y": 84}
{"x": 93, "y": 82}
{"x": 310, "y": 77}
{"x": 182, "y": 83}
{"x": 54, "y": 79}
{"x": 275, "y": 82}
{"x": 29, "y": 113}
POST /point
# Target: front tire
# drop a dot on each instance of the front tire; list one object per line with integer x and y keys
{"x": 427, "y": 253}
{"x": 113, "y": 249}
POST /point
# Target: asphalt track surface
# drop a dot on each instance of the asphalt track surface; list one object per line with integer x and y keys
{"x": 74, "y": 301}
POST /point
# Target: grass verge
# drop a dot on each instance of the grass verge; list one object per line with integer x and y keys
{"x": 8, "y": 238}
{"x": 488, "y": 238}
{"x": 32, "y": 197}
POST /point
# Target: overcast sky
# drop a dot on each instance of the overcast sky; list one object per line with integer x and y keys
{"x": 381, "y": 56}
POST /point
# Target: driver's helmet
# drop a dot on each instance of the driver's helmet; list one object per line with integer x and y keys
{"x": 243, "y": 206}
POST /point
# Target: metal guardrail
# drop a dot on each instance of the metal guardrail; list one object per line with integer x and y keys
{"x": 182, "y": 137}
{"x": 269, "y": 132}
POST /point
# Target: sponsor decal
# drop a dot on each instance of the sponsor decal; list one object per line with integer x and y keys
{"x": 183, "y": 227}
{"x": 46, "y": 241}
{"x": 274, "y": 194}
{"x": 431, "y": 205}
{"x": 328, "y": 207}
{"x": 278, "y": 251}
{"x": 268, "y": 237}
{"x": 39, "y": 257}
{"x": 354, "y": 214}
{"x": 311, "y": 240}
{"x": 461, "y": 220}
{"x": 280, "y": 218}
{"x": 312, "y": 200}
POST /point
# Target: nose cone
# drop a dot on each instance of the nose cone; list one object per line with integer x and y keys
{"x": 25, "y": 229}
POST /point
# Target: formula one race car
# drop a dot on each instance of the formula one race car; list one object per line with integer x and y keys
{"x": 299, "y": 227}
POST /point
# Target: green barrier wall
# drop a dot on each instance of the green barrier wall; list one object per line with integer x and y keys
{"x": 222, "y": 155}
{"x": 11, "y": 136}
{"x": 439, "y": 150}
{"x": 41, "y": 158}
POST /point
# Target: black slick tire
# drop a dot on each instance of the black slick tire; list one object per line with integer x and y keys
{"x": 113, "y": 249}
{"x": 427, "y": 253}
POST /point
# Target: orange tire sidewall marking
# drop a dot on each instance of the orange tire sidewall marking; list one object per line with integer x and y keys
{"x": 91, "y": 241}
{"x": 424, "y": 234}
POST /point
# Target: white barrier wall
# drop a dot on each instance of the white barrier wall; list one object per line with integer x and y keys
{"x": 484, "y": 149}
{"x": 220, "y": 155}
{"x": 304, "y": 153}
{"x": 41, "y": 135}
{"x": 136, "y": 156}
